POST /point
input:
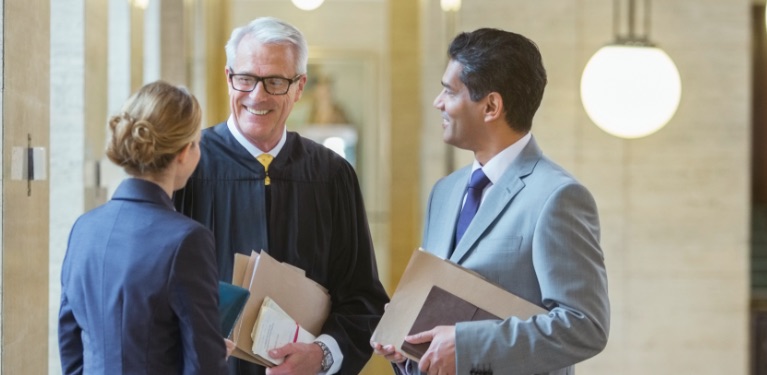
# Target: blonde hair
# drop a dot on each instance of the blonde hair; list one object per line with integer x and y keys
{"x": 155, "y": 125}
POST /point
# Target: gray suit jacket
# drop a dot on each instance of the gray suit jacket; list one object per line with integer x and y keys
{"x": 536, "y": 234}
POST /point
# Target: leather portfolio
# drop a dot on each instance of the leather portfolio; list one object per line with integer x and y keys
{"x": 425, "y": 271}
{"x": 442, "y": 308}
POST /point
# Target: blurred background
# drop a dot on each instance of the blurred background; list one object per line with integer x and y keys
{"x": 683, "y": 209}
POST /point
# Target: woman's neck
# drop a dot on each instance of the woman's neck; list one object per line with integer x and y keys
{"x": 164, "y": 179}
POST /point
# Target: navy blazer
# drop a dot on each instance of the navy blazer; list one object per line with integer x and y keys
{"x": 139, "y": 290}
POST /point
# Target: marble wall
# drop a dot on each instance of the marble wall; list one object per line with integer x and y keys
{"x": 68, "y": 145}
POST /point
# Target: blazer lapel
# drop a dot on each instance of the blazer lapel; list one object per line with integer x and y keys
{"x": 498, "y": 199}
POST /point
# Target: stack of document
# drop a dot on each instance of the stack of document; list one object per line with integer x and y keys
{"x": 285, "y": 296}
{"x": 275, "y": 328}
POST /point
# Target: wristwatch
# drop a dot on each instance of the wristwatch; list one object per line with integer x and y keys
{"x": 327, "y": 356}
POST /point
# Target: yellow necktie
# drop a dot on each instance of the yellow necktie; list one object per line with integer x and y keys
{"x": 266, "y": 159}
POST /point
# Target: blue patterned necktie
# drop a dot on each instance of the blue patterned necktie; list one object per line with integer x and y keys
{"x": 473, "y": 197}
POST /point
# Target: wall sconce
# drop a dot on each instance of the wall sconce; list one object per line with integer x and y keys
{"x": 307, "y": 4}
{"x": 630, "y": 88}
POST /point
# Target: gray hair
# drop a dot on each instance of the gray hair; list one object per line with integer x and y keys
{"x": 270, "y": 30}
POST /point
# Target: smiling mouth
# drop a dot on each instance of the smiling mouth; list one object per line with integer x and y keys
{"x": 255, "y": 112}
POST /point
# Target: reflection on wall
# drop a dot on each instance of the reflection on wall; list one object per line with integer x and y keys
{"x": 341, "y": 138}
{"x": 324, "y": 107}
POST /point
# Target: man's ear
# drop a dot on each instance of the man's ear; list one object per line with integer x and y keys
{"x": 493, "y": 109}
{"x": 301, "y": 83}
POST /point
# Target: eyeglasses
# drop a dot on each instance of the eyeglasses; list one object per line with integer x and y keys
{"x": 272, "y": 85}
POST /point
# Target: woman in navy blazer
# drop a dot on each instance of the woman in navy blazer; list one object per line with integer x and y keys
{"x": 139, "y": 283}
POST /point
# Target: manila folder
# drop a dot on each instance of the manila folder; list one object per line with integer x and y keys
{"x": 302, "y": 298}
{"x": 426, "y": 270}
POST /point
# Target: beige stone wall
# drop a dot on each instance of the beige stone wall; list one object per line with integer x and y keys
{"x": 674, "y": 206}
{"x": 25, "y": 119}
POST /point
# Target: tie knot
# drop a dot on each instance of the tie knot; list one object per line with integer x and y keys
{"x": 478, "y": 179}
{"x": 265, "y": 160}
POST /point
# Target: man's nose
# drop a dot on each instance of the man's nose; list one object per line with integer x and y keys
{"x": 437, "y": 101}
{"x": 259, "y": 90}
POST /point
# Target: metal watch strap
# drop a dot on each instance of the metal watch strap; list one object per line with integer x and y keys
{"x": 327, "y": 356}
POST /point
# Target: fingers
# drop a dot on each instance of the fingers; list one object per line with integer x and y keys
{"x": 298, "y": 358}
{"x": 230, "y": 346}
{"x": 424, "y": 364}
{"x": 282, "y": 351}
{"x": 389, "y": 352}
{"x": 439, "y": 358}
{"x": 420, "y": 338}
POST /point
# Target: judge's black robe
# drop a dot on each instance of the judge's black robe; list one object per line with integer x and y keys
{"x": 316, "y": 222}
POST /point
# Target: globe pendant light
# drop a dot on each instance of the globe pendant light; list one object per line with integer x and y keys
{"x": 630, "y": 88}
{"x": 307, "y": 4}
{"x": 450, "y": 5}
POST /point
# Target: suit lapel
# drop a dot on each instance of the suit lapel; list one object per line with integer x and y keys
{"x": 496, "y": 201}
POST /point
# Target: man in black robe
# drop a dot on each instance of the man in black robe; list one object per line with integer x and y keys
{"x": 258, "y": 186}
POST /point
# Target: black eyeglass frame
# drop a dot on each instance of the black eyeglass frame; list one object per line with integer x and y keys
{"x": 258, "y": 79}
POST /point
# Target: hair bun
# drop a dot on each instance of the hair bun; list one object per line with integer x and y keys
{"x": 155, "y": 125}
{"x": 138, "y": 138}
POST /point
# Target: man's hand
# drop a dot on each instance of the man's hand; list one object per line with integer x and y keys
{"x": 388, "y": 351}
{"x": 299, "y": 359}
{"x": 230, "y": 346}
{"x": 439, "y": 359}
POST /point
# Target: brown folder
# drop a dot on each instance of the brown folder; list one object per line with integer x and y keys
{"x": 302, "y": 298}
{"x": 442, "y": 308}
{"x": 427, "y": 270}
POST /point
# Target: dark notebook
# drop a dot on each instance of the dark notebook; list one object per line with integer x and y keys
{"x": 442, "y": 308}
{"x": 231, "y": 301}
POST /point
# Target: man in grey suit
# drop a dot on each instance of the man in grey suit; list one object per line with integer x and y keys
{"x": 515, "y": 217}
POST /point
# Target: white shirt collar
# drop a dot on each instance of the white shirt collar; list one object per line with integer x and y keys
{"x": 253, "y": 150}
{"x": 496, "y": 166}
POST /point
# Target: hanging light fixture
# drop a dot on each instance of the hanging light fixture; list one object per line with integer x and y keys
{"x": 307, "y": 4}
{"x": 630, "y": 88}
{"x": 143, "y": 4}
{"x": 450, "y": 5}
